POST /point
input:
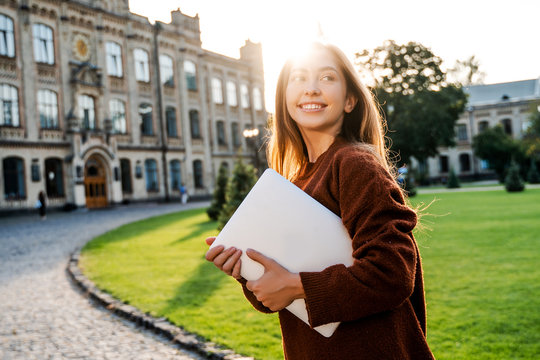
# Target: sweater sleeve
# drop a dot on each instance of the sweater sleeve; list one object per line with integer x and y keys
{"x": 384, "y": 251}
{"x": 252, "y": 299}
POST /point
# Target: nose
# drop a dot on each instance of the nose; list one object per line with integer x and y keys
{"x": 311, "y": 90}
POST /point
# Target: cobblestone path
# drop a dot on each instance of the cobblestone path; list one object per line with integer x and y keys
{"x": 42, "y": 314}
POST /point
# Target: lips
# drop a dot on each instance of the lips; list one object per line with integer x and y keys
{"x": 311, "y": 106}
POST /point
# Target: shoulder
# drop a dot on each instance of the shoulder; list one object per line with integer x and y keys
{"x": 359, "y": 160}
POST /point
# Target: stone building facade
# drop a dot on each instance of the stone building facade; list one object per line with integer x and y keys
{"x": 508, "y": 104}
{"x": 99, "y": 106}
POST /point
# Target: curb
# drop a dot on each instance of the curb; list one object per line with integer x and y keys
{"x": 160, "y": 326}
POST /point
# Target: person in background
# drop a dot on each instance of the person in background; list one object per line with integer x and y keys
{"x": 41, "y": 204}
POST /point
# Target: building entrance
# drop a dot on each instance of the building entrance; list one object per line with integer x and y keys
{"x": 95, "y": 183}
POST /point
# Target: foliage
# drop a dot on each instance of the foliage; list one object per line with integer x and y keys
{"x": 513, "y": 181}
{"x": 421, "y": 108}
{"x": 498, "y": 148}
{"x": 453, "y": 181}
{"x": 467, "y": 72}
{"x": 531, "y": 137}
{"x": 242, "y": 180}
{"x": 533, "y": 177}
{"x": 218, "y": 199}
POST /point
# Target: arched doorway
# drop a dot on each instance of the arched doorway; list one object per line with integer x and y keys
{"x": 95, "y": 183}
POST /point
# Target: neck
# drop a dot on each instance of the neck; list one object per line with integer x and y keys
{"x": 317, "y": 143}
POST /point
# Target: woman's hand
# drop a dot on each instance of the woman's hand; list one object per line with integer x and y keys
{"x": 227, "y": 261}
{"x": 278, "y": 287}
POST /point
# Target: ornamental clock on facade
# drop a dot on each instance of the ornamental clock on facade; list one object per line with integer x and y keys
{"x": 81, "y": 48}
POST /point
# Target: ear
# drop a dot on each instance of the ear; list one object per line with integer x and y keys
{"x": 350, "y": 103}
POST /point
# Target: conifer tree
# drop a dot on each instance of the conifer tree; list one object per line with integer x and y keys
{"x": 532, "y": 176}
{"x": 218, "y": 199}
{"x": 242, "y": 180}
{"x": 453, "y": 181}
{"x": 513, "y": 181}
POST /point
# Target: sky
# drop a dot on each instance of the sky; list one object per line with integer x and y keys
{"x": 503, "y": 35}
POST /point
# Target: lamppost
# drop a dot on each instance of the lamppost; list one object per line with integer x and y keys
{"x": 252, "y": 140}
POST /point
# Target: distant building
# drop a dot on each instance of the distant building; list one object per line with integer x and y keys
{"x": 98, "y": 106}
{"x": 508, "y": 104}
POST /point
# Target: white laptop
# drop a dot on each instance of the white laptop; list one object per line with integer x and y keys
{"x": 281, "y": 221}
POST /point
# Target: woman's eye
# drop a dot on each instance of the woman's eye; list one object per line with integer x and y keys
{"x": 297, "y": 78}
{"x": 327, "y": 78}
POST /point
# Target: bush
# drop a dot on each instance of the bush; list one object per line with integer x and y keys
{"x": 513, "y": 181}
{"x": 239, "y": 185}
{"x": 532, "y": 176}
{"x": 453, "y": 181}
{"x": 218, "y": 199}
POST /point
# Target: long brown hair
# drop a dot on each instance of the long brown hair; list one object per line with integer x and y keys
{"x": 363, "y": 125}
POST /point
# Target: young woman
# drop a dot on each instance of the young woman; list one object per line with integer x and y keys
{"x": 328, "y": 139}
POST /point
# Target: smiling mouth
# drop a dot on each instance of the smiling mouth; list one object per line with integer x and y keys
{"x": 311, "y": 106}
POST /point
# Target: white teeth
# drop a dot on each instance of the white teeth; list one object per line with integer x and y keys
{"x": 311, "y": 106}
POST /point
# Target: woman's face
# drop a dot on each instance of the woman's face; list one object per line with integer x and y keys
{"x": 316, "y": 94}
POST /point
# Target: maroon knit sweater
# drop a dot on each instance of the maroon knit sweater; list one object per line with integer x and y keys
{"x": 379, "y": 300}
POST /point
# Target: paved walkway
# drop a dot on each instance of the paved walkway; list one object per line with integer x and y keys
{"x": 42, "y": 314}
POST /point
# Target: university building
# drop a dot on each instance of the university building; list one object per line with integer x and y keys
{"x": 508, "y": 104}
{"x": 98, "y": 106}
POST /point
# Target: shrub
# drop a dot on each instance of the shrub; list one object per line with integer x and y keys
{"x": 513, "y": 181}
{"x": 218, "y": 199}
{"x": 532, "y": 176}
{"x": 453, "y": 181}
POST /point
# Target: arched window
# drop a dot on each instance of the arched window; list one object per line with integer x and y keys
{"x": 114, "y": 59}
{"x": 166, "y": 70}
{"x": 170, "y": 117}
{"x": 125, "y": 171}
{"x": 220, "y": 129}
{"x": 483, "y": 126}
{"x": 443, "y": 164}
{"x": 118, "y": 116}
{"x": 43, "y": 44}
{"x": 232, "y": 99}
{"x": 507, "y": 126}
{"x": 235, "y": 131}
{"x": 464, "y": 162}
{"x": 257, "y": 99}
{"x": 87, "y": 112}
{"x": 198, "y": 174}
{"x": 48, "y": 109}
{"x": 190, "y": 71}
{"x": 54, "y": 177}
{"x": 9, "y": 102}
{"x": 145, "y": 114}
{"x": 14, "y": 184}
{"x": 176, "y": 178}
{"x": 142, "y": 72}
{"x": 7, "y": 43}
{"x": 150, "y": 168}
{"x": 217, "y": 91}
{"x": 462, "y": 132}
{"x": 225, "y": 165}
{"x": 244, "y": 96}
{"x": 194, "y": 124}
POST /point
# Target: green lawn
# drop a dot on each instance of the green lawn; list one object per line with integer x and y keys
{"x": 480, "y": 264}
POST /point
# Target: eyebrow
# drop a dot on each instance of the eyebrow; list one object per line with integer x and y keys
{"x": 321, "y": 69}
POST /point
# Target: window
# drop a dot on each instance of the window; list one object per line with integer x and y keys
{"x": 231, "y": 94}
{"x": 217, "y": 92}
{"x": 54, "y": 177}
{"x": 142, "y": 73}
{"x": 145, "y": 113}
{"x": 7, "y": 44}
{"x": 48, "y": 109}
{"x": 483, "y": 125}
{"x": 220, "y": 127}
{"x": 87, "y": 112}
{"x": 175, "y": 174}
{"x": 462, "y": 132}
{"x": 125, "y": 174}
{"x": 170, "y": 117}
{"x": 235, "y": 131}
{"x": 507, "y": 126}
{"x": 43, "y": 44}
{"x": 191, "y": 75}
{"x": 9, "y": 100}
{"x": 118, "y": 116}
{"x": 150, "y": 168}
{"x": 484, "y": 164}
{"x": 443, "y": 164}
{"x": 464, "y": 162}
{"x": 244, "y": 96}
{"x": 14, "y": 187}
{"x": 166, "y": 70}
{"x": 198, "y": 174}
{"x": 194, "y": 123}
{"x": 257, "y": 99}
{"x": 114, "y": 59}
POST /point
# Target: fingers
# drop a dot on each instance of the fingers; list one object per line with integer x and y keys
{"x": 213, "y": 252}
{"x": 230, "y": 263}
{"x": 236, "y": 270}
{"x": 210, "y": 240}
{"x": 260, "y": 258}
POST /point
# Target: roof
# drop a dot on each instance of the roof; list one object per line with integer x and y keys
{"x": 508, "y": 91}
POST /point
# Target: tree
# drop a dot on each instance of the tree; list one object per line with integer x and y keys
{"x": 421, "y": 108}
{"x": 497, "y": 147}
{"x": 242, "y": 180}
{"x": 533, "y": 177}
{"x": 531, "y": 136}
{"x": 453, "y": 181}
{"x": 467, "y": 72}
{"x": 218, "y": 199}
{"x": 513, "y": 181}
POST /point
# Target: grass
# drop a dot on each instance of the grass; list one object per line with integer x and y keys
{"x": 480, "y": 268}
